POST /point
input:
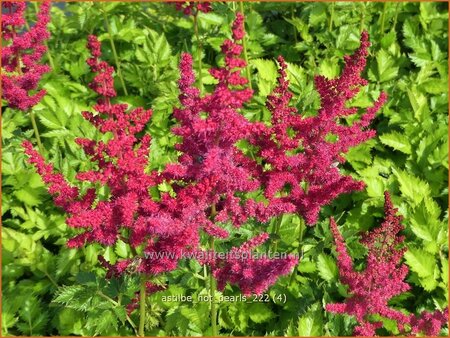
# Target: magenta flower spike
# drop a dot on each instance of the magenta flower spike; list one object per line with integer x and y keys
{"x": 300, "y": 157}
{"x": 21, "y": 68}
{"x": 382, "y": 279}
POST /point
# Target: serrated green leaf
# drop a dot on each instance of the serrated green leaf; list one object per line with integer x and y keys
{"x": 397, "y": 141}
{"x": 121, "y": 313}
{"x": 388, "y": 39}
{"x": 327, "y": 267}
{"x": 121, "y": 249}
{"x": 33, "y": 317}
{"x": 411, "y": 187}
{"x": 310, "y": 325}
{"x": 420, "y": 262}
{"x": 106, "y": 323}
{"x": 329, "y": 68}
{"x": 267, "y": 75}
{"x": 259, "y": 312}
{"x": 86, "y": 278}
{"x": 386, "y": 67}
{"x": 419, "y": 104}
{"x": 29, "y": 196}
{"x": 67, "y": 293}
{"x": 77, "y": 297}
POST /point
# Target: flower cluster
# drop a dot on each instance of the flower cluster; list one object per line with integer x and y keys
{"x": 121, "y": 166}
{"x": 303, "y": 154}
{"x": 210, "y": 126}
{"x": 252, "y": 275}
{"x": 130, "y": 213}
{"x": 192, "y": 8}
{"x": 382, "y": 279}
{"x": 21, "y": 70}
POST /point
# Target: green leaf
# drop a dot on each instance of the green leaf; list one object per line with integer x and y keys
{"x": 434, "y": 86}
{"x": 68, "y": 322}
{"x": 77, "y": 297}
{"x": 388, "y": 39}
{"x": 310, "y": 325}
{"x": 67, "y": 293}
{"x": 121, "y": 249}
{"x": 267, "y": 75}
{"x": 65, "y": 260}
{"x": 259, "y": 312}
{"x": 307, "y": 266}
{"x": 29, "y": 196}
{"x": 385, "y": 68}
{"x": 210, "y": 18}
{"x": 110, "y": 255}
{"x": 420, "y": 262}
{"x": 8, "y": 319}
{"x": 411, "y": 187}
{"x": 419, "y": 104}
{"x": 329, "y": 68}
{"x": 33, "y": 316}
{"x": 290, "y": 227}
{"x": 444, "y": 273}
{"x": 425, "y": 224}
{"x": 429, "y": 283}
{"x": 121, "y": 313}
{"x": 397, "y": 141}
{"x": 327, "y": 267}
{"x": 105, "y": 323}
{"x": 86, "y": 278}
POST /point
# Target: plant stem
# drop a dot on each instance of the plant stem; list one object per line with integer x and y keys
{"x": 293, "y": 26}
{"x": 244, "y": 45}
{"x": 395, "y": 16}
{"x": 113, "y": 47}
{"x": 51, "y": 279}
{"x": 109, "y": 299}
{"x": 299, "y": 250}
{"x": 36, "y": 133}
{"x": 142, "y": 307}
{"x": 199, "y": 276}
{"x": 199, "y": 52}
{"x": 363, "y": 17}
{"x": 277, "y": 231}
{"x": 212, "y": 282}
{"x": 212, "y": 290}
{"x": 330, "y": 23}
{"x": 383, "y": 15}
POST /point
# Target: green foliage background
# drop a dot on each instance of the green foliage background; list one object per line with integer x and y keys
{"x": 51, "y": 290}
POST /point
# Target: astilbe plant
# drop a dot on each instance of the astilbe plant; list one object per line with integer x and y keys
{"x": 382, "y": 279}
{"x": 21, "y": 67}
{"x": 298, "y": 151}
